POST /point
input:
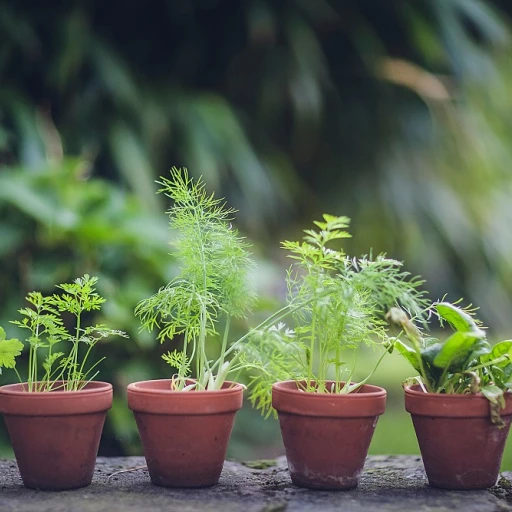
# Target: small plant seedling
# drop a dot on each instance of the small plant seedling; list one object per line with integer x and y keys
{"x": 45, "y": 323}
{"x": 463, "y": 363}
{"x": 338, "y": 303}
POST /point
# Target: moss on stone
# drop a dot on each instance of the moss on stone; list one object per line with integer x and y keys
{"x": 260, "y": 464}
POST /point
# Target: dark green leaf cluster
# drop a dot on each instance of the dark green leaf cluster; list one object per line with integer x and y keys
{"x": 45, "y": 323}
{"x": 462, "y": 363}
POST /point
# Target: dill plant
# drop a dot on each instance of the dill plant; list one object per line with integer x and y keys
{"x": 337, "y": 303}
{"x": 44, "y": 319}
{"x": 211, "y": 289}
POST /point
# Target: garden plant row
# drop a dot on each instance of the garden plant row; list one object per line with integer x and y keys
{"x": 296, "y": 359}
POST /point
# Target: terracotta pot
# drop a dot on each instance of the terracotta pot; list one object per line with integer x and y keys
{"x": 55, "y": 435}
{"x": 326, "y": 436}
{"x": 184, "y": 434}
{"x": 460, "y": 446}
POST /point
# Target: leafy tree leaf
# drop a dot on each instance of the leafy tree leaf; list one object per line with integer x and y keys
{"x": 455, "y": 350}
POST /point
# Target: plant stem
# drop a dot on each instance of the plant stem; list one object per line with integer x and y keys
{"x": 272, "y": 319}
{"x": 224, "y": 341}
{"x": 311, "y": 349}
{"x": 369, "y": 376}
{"x": 73, "y": 383}
{"x": 82, "y": 366}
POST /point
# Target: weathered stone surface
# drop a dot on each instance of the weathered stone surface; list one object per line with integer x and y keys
{"x": 389, "y": 483}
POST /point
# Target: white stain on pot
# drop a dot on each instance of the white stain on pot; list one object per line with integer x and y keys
{"x": 326, "y": 479}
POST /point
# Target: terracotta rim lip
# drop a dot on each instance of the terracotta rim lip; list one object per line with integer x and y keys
{"x": 15, "y": 390}
{"x": 135, "y": 388}
{"x": 445, "y": 396}
{"x": 377, "y": 393}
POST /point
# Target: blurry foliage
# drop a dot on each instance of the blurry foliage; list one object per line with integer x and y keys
{"x": 395, "y": 113}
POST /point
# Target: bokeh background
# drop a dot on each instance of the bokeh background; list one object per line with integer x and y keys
{"x": 397, "y": 114}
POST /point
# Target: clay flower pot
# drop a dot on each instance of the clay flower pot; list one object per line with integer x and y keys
{"x": 184, "y": 434}
{"x": 326, "y": 436}
{"x": 460, "y": 446}
{"x": 55, "y": 435}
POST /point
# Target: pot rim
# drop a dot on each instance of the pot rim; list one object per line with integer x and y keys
{"x": 374, "y": 392}
{"x": 91, "y": 388}
{"x": 135, "y": 387}
{"x": 96, "y": 397}
{"x": 144, "y": 398}
{"x": 412, "y": 389}
{"x": 450, "y": 405}
{"x": 369, "y": 402}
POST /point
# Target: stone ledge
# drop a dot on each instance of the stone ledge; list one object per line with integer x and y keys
{"x": 389, "y": 483}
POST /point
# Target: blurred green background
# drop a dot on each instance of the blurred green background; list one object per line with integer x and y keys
{"x": 396, "y": 113}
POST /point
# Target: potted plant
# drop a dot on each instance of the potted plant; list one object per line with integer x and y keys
{"x": 184, "y": 422}
{"x": 460, "y": 405}
{"x": 55, "y": 418}
{"x": 338, "y": 304}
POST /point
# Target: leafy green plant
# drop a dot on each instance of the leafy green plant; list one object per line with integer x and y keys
{"x": 212, "y": 285}
{"x": 463, "y": 363}
{"x": 338, "y": 303}
{"x": 45, "y": 321}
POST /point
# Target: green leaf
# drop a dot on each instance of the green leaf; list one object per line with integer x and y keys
{"x": 496, "y": 401}
{"x": 460, "y": 320}
{"x": 431, "y": 352}
{"x": 494, "y": 394}
{"x": 501, "y": 349}
{"x": 9, "y": 350}
{"x": 409, "y": 354}
{"x": 456, "y": 350}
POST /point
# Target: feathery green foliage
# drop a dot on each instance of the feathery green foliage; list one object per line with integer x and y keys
{"x": 338, "y": 303}
{"x": 462, "y": 363}
{"x": 212, "y": 285}
{"x": 44, "y": 320}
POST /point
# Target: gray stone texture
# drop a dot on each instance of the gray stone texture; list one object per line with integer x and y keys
{"x": 389, "y": 483}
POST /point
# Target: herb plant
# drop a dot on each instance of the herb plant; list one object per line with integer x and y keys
{"x": 463, "y": 363}
{"x": 45, "y": 321}
{"x": 337, "y": 303}
{"x": 212, "y": 287}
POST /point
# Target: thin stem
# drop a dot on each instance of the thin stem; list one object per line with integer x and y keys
{"x": 370, "y": 375}
{"x": 82, "y": 366}
{"x": 224, "y": 341}
{"x": 30, "y": 365}
{"x": 442, "y": 383}
{"x": 19, "y": 376}
{"x": 275, "y": 317}
{"x": 183, "y": 366}
{"x": 311, "y": 349}
{"x": 77, "y": 341}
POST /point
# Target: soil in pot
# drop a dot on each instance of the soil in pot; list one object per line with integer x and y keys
{"x": 184, "y": 434}
{"x": 460, "y": 446}
{"x": 55, "y": 435}
{"x": 326, "y": 436}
